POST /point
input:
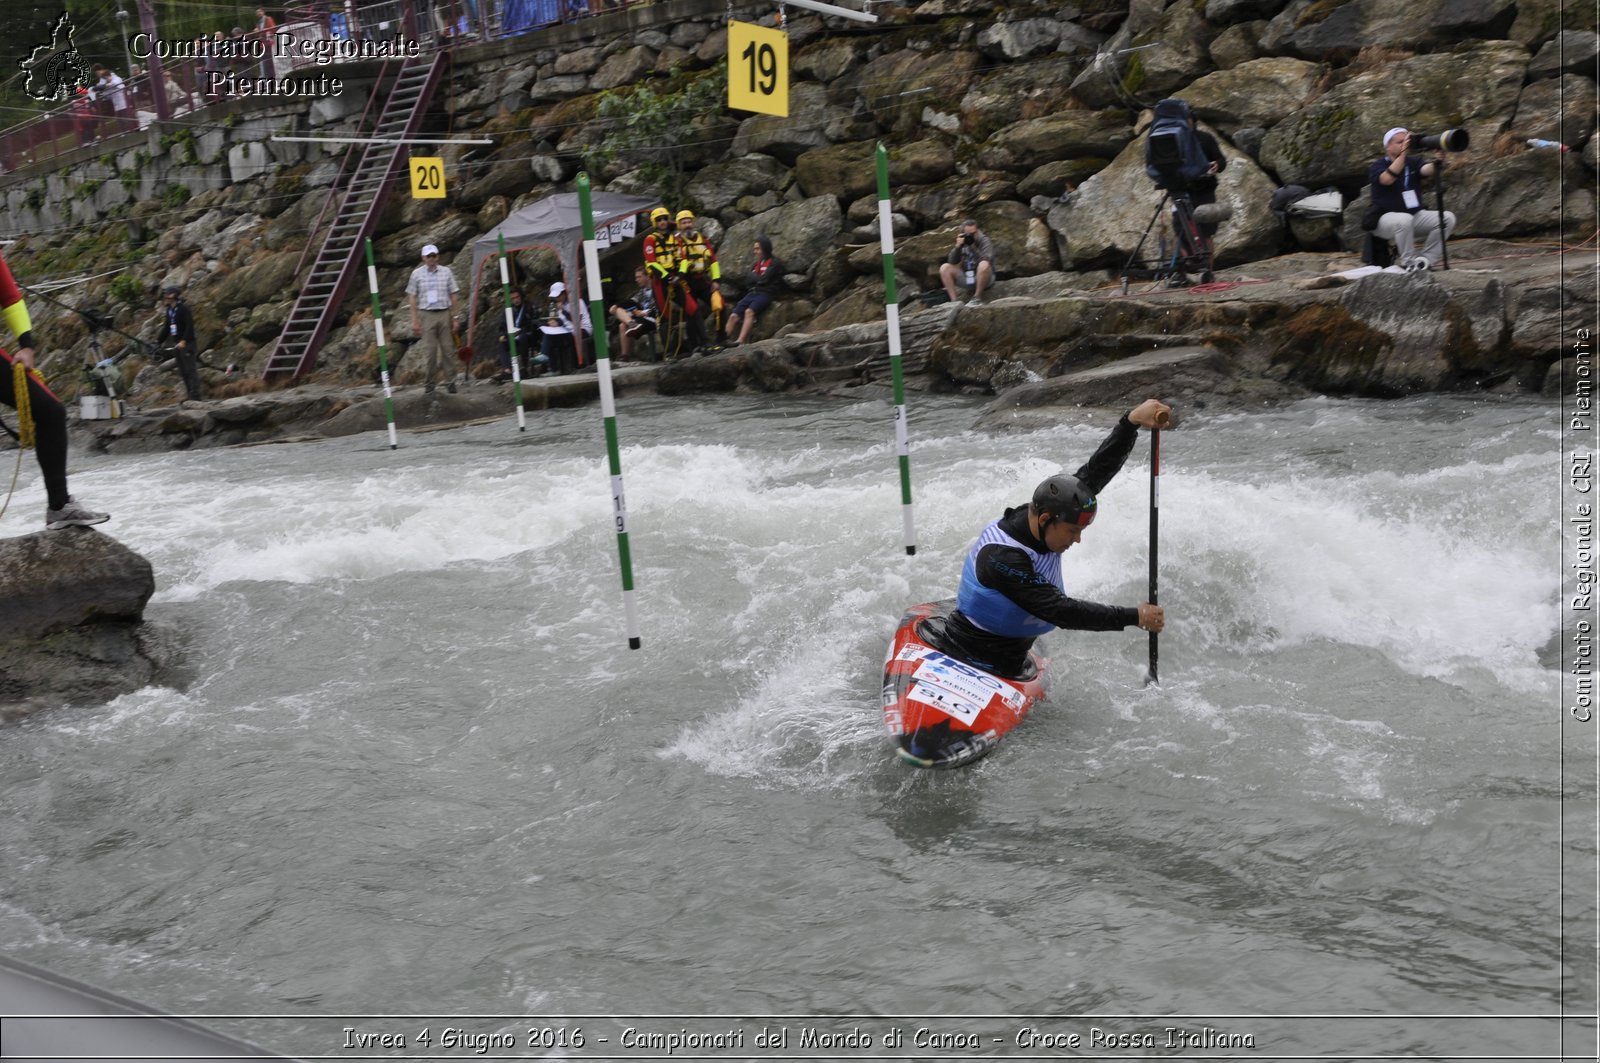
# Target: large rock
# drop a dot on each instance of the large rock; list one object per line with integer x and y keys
{"x": 260, "y": 282}
{"x": 1423, "y": 24}
{"x": 1174, "y": 371}
{"x": 1028, "y": 144}
{"x": 1255, "y": 93}
{"x": 716, "y": 188}
{"x": 1009, "y": 94}
{"x": 841, "y": 170}
{"x": 55, "y": 580}
{"x": 897, "y": 87}
{"x": 801, "y": 234}
{"x": 1571, "y": 52}
{"x": 1334, "y": 138}
{"x": 828, "y": 60}
{"x": 1520, "y": 194}
{"x": 624, "y": 68}
{"x": 1184, "y": 53}
{"x": 1019, "y": 40}
{"x": 1023, "y": 243}
{"x": 1102, "y": 221}
{"x": 1560, "y": 109}
{"x": 787, "y": 138}
{"x": 1391, "y": 335}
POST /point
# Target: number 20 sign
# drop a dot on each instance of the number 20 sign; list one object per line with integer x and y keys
{"x": 427, "y": 177}
{"x": 758, "y": 69}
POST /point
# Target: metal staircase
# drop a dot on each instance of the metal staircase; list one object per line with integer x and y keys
{"x": 359, "y": 191}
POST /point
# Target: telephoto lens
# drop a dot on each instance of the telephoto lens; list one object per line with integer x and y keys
{"x": 1449, "y": 140}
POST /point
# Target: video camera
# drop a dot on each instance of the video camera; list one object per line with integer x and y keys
{"x": 1449, "y": 140}
{"x": 96, "y": 318}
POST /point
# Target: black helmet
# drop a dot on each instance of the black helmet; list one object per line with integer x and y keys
{"x": 171, "y": 289}
{"x": 1065, "y": 498}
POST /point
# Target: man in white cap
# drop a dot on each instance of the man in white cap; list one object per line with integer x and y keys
{"x": 435, "y": 301}
{"x": 559, "y": 345}
{"x": 1397, "y": 201}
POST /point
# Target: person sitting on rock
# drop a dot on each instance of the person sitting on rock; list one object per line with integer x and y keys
{"x": 48, "y": 415}
{"x": 970, "y": 264}
{"x": 638, "y": 316}
{"x": 765, "y": 281}
{"x": 1396, "y": 181}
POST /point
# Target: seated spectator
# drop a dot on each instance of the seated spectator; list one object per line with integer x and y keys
{"x": 557, "y": 347}
{"x": 764, "y": 281}
{"x": 522, "y": 319}
{"x": 970, "y": 265}
{"x": 638, "y": 316}
{"x": 1396, "y": 180}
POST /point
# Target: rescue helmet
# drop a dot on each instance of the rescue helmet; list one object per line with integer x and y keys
{"x": 1065, "y": 498}
{"x": 685, "y": 215}
{"x": 659, "y": 213}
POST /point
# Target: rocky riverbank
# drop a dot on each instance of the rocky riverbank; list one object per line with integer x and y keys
{"x": 1027, "y": 116}
{"x": 1266, "y": 332}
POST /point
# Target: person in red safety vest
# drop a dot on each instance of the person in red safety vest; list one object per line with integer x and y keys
{"x": 697, "y": 264}
{"x": 49, "y": 415}
{"x": 672, "y": 294}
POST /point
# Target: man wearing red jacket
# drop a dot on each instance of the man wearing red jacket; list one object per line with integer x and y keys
{"x": 49, "y": 416}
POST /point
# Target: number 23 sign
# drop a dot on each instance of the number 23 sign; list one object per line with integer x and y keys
{"x": 758, "y": 69}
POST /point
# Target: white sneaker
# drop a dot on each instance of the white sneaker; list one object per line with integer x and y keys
{"x": 72, "y": 514}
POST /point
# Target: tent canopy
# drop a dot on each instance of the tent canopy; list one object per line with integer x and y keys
{"x": 556, "y": 222}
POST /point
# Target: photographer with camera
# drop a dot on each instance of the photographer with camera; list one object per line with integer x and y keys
{"x": 970, "y": 264}
{"x": 1396, "y": 181}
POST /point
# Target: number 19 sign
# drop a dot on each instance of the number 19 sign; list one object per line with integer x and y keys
{"x": 758, "y": 69}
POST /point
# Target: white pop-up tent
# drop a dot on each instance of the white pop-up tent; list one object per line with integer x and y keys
{"x": 555, "y": 222}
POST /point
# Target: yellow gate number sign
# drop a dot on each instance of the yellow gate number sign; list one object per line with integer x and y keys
{"x": 758, "y": 69}
{"x": 427, "y": 177}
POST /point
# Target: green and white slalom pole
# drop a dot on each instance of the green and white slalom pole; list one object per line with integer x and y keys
{"x": 608, "y": 407}
{"x": 511, "y": 338}
{"x": 891, "y": 308}
{"x": 383, "y": 347}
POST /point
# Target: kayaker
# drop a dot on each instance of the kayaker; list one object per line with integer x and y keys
{"x": 1012, "y": 589}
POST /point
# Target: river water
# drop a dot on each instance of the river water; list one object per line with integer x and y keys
{"x": 419, "y": 773}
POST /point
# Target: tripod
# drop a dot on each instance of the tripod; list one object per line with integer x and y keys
{"x": 1190, "y": 251}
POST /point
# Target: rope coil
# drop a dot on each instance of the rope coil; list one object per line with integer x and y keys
{"x": 19, "y": 387}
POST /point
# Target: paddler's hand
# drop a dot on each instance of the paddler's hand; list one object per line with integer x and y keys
{"x": 25, "y": 356}
{"x": 1152, "y": 617}
{"x": 1151, "y": 413}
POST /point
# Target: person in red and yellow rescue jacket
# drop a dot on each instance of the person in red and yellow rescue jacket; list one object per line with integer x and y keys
{"x": 49, "y": 416}
{"x": 672, "y": 294}
{"x": 697, "y": 265}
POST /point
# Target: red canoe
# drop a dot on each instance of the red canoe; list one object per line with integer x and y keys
{"x": 942, "y": 712}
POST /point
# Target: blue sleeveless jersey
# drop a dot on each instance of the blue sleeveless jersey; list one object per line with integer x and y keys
{"x": 993, "y": 611}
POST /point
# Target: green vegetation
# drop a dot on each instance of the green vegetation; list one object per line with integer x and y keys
{"x": 127, "y": 289}
{"x": 649, "y": 126}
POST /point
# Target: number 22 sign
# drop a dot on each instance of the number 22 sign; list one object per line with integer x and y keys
{"x": 758, "y": 69}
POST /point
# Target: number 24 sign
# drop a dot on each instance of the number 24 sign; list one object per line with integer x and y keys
{"x": 758, "y": 69}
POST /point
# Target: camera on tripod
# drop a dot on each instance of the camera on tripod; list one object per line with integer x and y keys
{"x": 1449, "y": 140}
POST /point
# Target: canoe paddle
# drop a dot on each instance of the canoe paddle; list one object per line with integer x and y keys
{"x": 1152, "y": 676}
